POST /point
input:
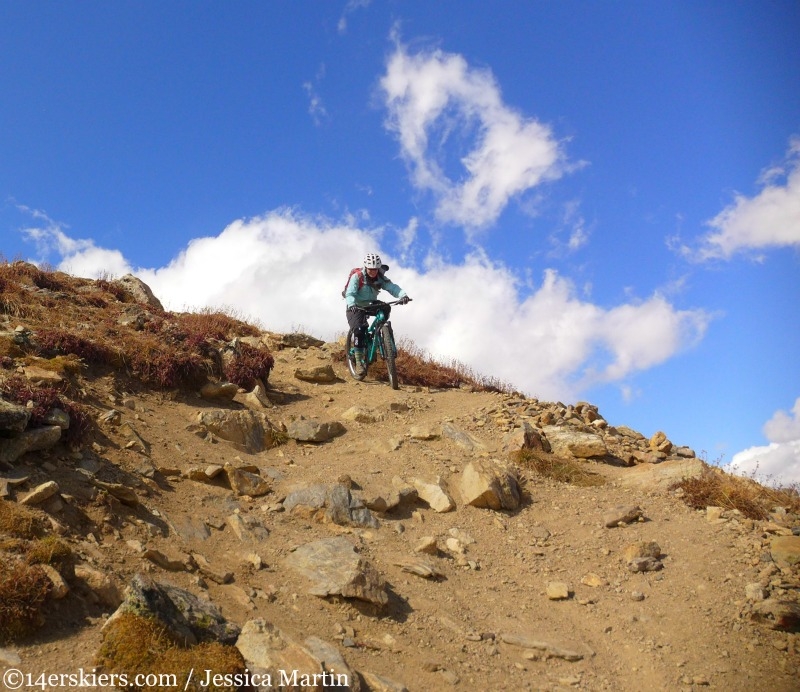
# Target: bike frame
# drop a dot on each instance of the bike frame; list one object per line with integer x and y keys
{"x": 378, "y": 339}
{"x": 375, "y": 343}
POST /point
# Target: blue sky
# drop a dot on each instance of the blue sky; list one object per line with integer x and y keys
{"x": 588, "y": 200}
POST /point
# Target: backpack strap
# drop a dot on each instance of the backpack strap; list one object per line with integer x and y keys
{"x": 355, "y": 270}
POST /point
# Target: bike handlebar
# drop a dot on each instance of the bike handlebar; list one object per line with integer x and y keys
{"x": 376, "y": 303}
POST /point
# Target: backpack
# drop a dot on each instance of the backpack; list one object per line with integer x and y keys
{"x": 356, "y": 270}
{"x": 360, "y": 271}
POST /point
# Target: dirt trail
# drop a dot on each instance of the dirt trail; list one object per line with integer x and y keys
{"x": 677, "y": 628}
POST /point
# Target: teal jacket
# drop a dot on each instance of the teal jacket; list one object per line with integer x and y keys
{"x": 369, "y": 291}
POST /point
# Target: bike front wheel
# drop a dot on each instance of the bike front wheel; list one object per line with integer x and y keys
{"x": 351, "y": 359}
{"x": 389, "y": 352}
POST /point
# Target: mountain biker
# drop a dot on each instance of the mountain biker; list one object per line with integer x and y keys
{"x": 362, "y": 289}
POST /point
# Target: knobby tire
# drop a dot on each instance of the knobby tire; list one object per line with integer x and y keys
{"x": 388, "y": 354}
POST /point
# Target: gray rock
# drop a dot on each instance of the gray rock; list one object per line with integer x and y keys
{"x": 785, "y": 550}
{"x": 249, "y": 431}
{"x": 487, "y": 483}
{"x": 244, "y": 482}
{"x": 267, "y": 651}
{"x": 188, "y": 618}
{"x": 319, "y": 373}
{"x": 661, "y": 476}
{"x": 644, "y": 564}
{"x": 219, "y": 390}
{"x": 331, "y": 660}
{"x": 525, "y": 437}
{"x": 190, "y": 527}
{"x": 171, "y": 564}
{"x": 569, "y": 651}
{"x": 435, "y": 495}
{"x": 139, "y": 291}
{"x": 624, "y": 514}
{"x": 13, "y": 418}
{"x": 420, "y": 567}
{"x": 565, "y": 441}
{"x": 41, "y": 493}
{"x": 31, "y": 440}
{"x": 461, "y": 438}
{"x": 340, "y": 506}
{"x": 311, "y": 430}
{"x": 105, "y": 588}
{"x": 335, "y": 568}
{"x": 362, "y": 414}
{"x": 247, "y": 528}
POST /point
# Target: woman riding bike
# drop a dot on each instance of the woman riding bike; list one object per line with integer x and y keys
{"x": 362, "y": 289}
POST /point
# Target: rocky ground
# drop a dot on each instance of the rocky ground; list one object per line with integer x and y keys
{"x": 354, "y": 534}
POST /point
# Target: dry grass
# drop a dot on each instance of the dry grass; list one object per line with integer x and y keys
{"x": 555, "y": 468}
{"x": 417, "y": 368}
{"x": 717, "y": 488}
{"x": 19, "y": 521}
{"x": 52, "y": 551}
{"x": 81, "y": 319}
{"x": 18, "y": 390}
{"x": 23, "y": 591}
{"x": 139, "y": 645}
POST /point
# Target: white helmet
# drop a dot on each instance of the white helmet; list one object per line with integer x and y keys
{"x": 372, "y": 261}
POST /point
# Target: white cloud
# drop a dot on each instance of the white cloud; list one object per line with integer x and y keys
{"x": 778, "y": 462}
{"x": 350, "y": 7}
{"x": 286, "y": 269}
{"x": 431, "y": 97}
{"x": 783, "y": 427}
{"x": 316, "y": 107}
{"x": 770, "y": 219}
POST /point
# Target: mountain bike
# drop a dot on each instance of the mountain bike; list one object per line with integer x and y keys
{"x": 379, "y": 341}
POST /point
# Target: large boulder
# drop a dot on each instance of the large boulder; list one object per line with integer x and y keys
{"x": 250, "y": 431}
{"x": 311, "y": 430}
{"x": 189, "y": 619}
{"x": 13, "y": 418}
{"x": 334, "y": 568}
{"x": 31, "y": 440}
{"x": 567, "y": 442}
{"x": 487, "y": 483}
{"x": 661, "y": 476}
{"x": 139, "y": 291}
{"x": 273, "y": 656}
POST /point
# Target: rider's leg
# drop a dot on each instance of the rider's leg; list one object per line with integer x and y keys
{"x": 358, "y": 322}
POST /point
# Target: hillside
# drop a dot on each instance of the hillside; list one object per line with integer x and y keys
{"x": 237, "y": 501}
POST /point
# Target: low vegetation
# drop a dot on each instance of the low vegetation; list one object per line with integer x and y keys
{"x": 717, "y": 488}
{"x": 417, "y": 368}
{"x": 19, "y": 521}
{"x": 134, "y": 645}
{"x": 100, "y": 325}
{"x": 23, "y": 590}
{"x": 555, "y": 468}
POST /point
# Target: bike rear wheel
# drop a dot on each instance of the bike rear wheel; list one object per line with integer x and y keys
{"x": 351, "y": 359}
{"x": 389, "y": 351}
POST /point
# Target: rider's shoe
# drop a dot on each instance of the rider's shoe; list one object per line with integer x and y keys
{"x": 361, "y": 366}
